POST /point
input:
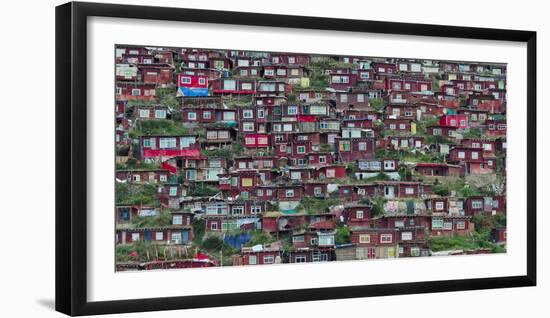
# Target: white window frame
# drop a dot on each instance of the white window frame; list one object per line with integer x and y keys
{"x": 177, "y": 219}
{"x": 237, "y": 210}
{"x": 364, "y": 238}
{"x": 477, "y": 204}
{"x": 159, "y": 236}
{"x": 248, "y": 126}
{"x": 300, "y": 259}
{"x": 269, "y": 259}
{"x": 292, "y": 110}
{"x": 386, "y": 238}
{"x": 406, "y": 236}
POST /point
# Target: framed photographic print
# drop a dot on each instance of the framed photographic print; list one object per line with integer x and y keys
{"x": 257, "y": 158}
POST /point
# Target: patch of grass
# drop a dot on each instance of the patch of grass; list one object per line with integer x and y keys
{"x": 458, "y": 242}
{"x": 135, "y": 194}
{"x": 163, "y": 127}
{"x": 314, "y": 205}
{"x": 473, "y": 133}
{"x": 201, "y": 190}
{"x": 260, "y": 238}
{"x": 163, "y": 219}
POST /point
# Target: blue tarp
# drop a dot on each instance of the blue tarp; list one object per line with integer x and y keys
{"x": 238, "y": 240}
{"x": 186, "y": 91}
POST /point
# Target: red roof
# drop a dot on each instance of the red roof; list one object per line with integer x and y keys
{"x": 189, "y": 153}
{"x": 432, "y": 165}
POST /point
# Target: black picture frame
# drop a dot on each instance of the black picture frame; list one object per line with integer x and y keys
{"x": 71, "y": 157}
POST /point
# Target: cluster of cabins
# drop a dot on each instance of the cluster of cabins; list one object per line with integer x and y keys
{"x": 269, "y": 138}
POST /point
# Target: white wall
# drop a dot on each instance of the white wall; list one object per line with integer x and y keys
{"x": 27, "y": 81}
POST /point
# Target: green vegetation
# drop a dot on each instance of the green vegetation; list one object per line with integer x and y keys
{"x": 199, "y": 228}
{"x": 343, "y": 235}
{"x": 377, "y": 104}
{"x": 410, "y": 156}
{"x": 214, "y": 245}
{"x": 326, "y": 147}
{"x": 484, "y": 222}
{"x": 260, "y": 238}
{"x": 473, "y": 133}
{"x": 159, "y": 127}
{"x": 147, "y": 251}
{"x": 217, "y": 152}
{"x": 167, "y": 97}
{"x": 377, "y": 206}
{"x": 429, "y": 140}
{"x": 202, "y": 190}
{"x": 163, "y": 219}
{"x": 445, "y": 186}
{"x": 134, "y": 164}
{"x": 135, "y": 194}
{"x": 457, "y": 242}
{"x": 316, "y": 205}
{"x": 318, "y": 79}
{"x": 381, "y": 176}
{"x": 422, "y": 126}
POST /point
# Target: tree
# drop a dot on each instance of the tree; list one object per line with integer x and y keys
{"x": 473, "y": 133}
{"x": 377, "y": 103}
{"x": 343, "y": 235}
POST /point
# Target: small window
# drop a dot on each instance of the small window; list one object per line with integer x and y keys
{"x": 477, "y": 204}
{"x": 177, "y": 220}
{"x": 300, "y": 259}
{"x": 247, "y": 126}
{"x": 248, "y": 113}
{"x": 415, "y": 251}
{"x": 359, "y": 214}
{"x": 269, "y": 259}
{"x": 160, "y": 113}
{"x": 237, "y": 210}
{"x": 173, "y": 191}
{"x": 252, "y": 260}
{"x": 289, "y": 193}
{"x": 364, "y": 238}
{"x": 406, "y": 236}
{"x": 386, "y": 238}
{"x": 437, "y": 223}
{"x": 292, "y": 110}
{"x": 159, "y": 236}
